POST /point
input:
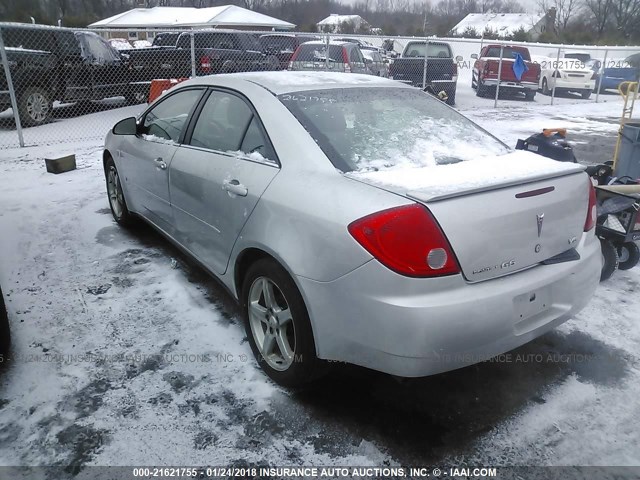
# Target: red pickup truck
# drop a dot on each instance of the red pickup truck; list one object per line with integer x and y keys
{"x": 485, "y": 71}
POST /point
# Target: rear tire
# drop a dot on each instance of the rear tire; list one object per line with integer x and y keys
{"x": 628, "y": 254}
{"x": 529, "y": 95}
{"x": 35, "y": 107}
{"x": 610, "y": 259}
{"x": 277, "y": 325}
{"x": 5, "y": 336}
{"x": 545, "y": 87}
{"x": 117, "y": 202}
{"x": 586, "y": 94}
{"x": 137, "y": 96}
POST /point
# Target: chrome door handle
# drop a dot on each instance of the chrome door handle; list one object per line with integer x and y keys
{"x": 160, "y": 163}
{"x": 235, "y": 187}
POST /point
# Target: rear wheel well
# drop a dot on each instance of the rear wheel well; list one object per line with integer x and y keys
{"x": 247, "y": 258}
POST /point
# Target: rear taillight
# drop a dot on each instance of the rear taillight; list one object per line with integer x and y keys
{"x": 205, "y": 64}
{"x": 408, "y": 240}
{"x": 345, "y": 60}
{"x": 592, "y": 214}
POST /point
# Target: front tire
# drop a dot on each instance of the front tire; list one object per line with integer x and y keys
{"x": 35, "y": 107}
{"x": 628, "y": 254}
{"x": 545, "y": 87}
{"x": 278, "y": 326}
{"x": 117, "y": 202}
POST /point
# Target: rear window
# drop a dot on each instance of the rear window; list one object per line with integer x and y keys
{"x": 437, "y": 50}
{"x": 507, "y": 52}
{"x": 278, "y": 44}
{"x": 317, "y": 53}
{"x": 166, "y": 39}
{"x": 362, "y": 129}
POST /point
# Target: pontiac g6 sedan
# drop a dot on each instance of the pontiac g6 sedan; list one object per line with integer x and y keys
{"x": 358, "y": 219}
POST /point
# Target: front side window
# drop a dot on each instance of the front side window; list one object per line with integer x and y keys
{"x": 227, "y": 124}
{"x": 362, "y": 129}
{"x": 165, "y": 121}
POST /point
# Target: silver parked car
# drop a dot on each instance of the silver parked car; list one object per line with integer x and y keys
{"x": 358, "y": 219}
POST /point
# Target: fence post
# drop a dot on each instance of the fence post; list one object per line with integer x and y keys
{"x": 495, "y": 102}
{"x": 326, "y": 53}
{"x": 424, "y": 68}
{"x": 555, "y": 78}
{"x": 601, "y": 74}
{"x": 12, "y": 92}
{"x": 193, "y": 54}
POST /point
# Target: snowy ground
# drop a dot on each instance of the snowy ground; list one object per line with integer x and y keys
{"x": 125, "y": 353}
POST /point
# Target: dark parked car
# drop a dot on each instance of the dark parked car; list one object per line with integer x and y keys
{"x": 216, "y": 51}
{"x": 442, "y": 69}
{"x": 5, "y": 337}
{"x": 51, "y": 63}
{"x": 335, "y": 57}
{"x": 283, "y": 45}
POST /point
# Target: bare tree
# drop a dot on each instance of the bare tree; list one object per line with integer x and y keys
{"x": 601, "y": 10}
{"x": 565, "y": 11}
{"x": 626, "y": 14}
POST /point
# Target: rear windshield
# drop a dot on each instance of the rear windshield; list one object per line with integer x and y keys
{"x": 507, "y": 52}
{"x": 279, "y": 44}
{"x": 437, "y": 50}
{"x": 166, "y": 39}
{"x": 361, "y": 129}
{"x": 317, "y": 53}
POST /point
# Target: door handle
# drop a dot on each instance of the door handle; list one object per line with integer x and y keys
{"x": 235, "y": 187}
{"x": 160, "y": 163}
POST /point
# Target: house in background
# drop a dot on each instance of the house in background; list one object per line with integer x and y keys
{"x": 335, "y": 23}
{"x": 505, "y": 24}
{"x": 142, "y": 22}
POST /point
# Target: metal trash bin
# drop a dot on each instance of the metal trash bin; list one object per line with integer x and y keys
{"x": 628, "y": 164}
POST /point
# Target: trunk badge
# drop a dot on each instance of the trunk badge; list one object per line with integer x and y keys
{"x": 540, "y": 218}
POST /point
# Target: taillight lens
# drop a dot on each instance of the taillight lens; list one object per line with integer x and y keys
{"x": 592, "y": 214}
{"x": 408, "y": 240}
{"x": 205, "y": 64}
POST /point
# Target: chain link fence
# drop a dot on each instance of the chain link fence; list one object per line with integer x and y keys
{"x": 59, "y": 84}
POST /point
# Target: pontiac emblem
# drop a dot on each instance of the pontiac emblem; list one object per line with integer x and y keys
{"x": 540, "y": 218}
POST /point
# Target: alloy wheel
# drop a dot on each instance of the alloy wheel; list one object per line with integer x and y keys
{"x": 116, "y": 198}
{"x": 272, "y": 324}
{"x": 37, "y": 107}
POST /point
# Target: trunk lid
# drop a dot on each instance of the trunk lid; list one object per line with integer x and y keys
{"x": 502, "y": 214}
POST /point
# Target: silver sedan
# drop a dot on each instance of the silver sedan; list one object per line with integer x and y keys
{"x": 357, "y": 219}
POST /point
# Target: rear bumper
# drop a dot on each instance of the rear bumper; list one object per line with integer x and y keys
{"x": 412, "y": 327}
{"x": 577, "y": 84}
{"x": 506, "y": 84}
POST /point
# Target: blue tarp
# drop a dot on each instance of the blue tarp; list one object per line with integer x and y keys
{"x": 519, "y": 67}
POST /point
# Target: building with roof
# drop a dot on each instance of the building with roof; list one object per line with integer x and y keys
{"x": 335, "y": 23}
{"x": 505, "y": 24}
{"x": 143, "y": 21}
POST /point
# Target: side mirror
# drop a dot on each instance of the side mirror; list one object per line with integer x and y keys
{"x": 128, "y": 126}
{"x": 459, "y": 58}
{"x": 474, "y": 56}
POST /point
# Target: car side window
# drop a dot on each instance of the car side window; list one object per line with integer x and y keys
{"x": 227, "y": 124}
{"x": 165, "y": 121}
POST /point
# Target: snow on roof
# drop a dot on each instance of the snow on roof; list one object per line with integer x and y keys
{"x": 503, "y": 23}
{"x": 226, "y": 16}
{"x": 335, "y": 19}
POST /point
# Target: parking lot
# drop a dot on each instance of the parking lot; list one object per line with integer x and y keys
{"x": 125, "y": 353}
